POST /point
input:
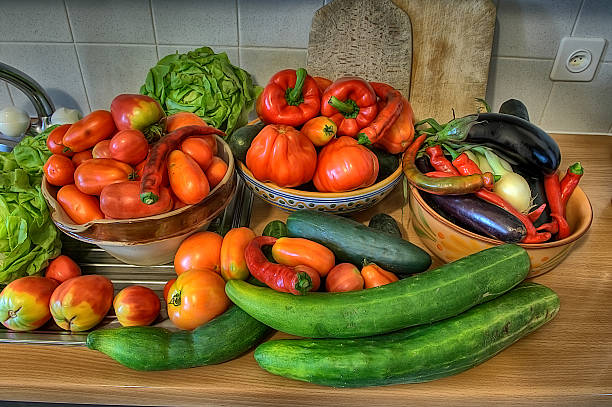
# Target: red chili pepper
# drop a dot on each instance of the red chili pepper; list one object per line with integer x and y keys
{"x": 454, "y": 185}
{"x": 276, "y": 276}
{"x": 291, "y": 97}
{"x": 535, "y": 214}
{"x": 386, "y": 116}
{"x": 439, "y": 161}
{"x": 570, "y": 181}
{"x": 351, "y": 103}
{"x": 552, "y": 186}
{"x": 154, "y": 169}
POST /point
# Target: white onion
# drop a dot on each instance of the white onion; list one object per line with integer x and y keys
{"x": 65, "y": 116}
{"x": 515, "y": 190}
{"x": 13, "y": 121}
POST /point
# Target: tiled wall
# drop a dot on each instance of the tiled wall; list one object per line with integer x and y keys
{"x": 84, "y": 52}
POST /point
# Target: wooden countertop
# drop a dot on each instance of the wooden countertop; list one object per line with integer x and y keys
{"x": 566, "y": 362}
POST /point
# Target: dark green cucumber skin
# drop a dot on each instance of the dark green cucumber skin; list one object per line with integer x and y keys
{"x": 387, "y": 163}
{"x": 385, "y": 223}
{"x": 276, "y": 228}
{"x": 240, "y": 140}
{"x": 416, "y": 354}
{"x": 152, "y": 348}
{"x": 420, "y": 299}
{"x": 355, "y": 243}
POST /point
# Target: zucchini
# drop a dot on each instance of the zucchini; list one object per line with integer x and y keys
{"x": 240, "y": 140}
{"x": 420, "y": 299}
{"x": 355, "y": 243}
{"x": 386, "y": 224}
{"x": 417, "y": 354}
{"x": 387, "y": 163}
{"x": 153, "y": 348}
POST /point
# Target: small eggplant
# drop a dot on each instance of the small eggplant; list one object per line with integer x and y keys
{"x": 478, "y": 216}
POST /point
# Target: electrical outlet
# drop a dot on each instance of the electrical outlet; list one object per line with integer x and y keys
{"x": 577, "y": 59}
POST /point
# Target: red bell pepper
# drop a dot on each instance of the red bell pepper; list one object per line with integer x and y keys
{"x": 291, "y": 97}
{"x": 351, "y": 103}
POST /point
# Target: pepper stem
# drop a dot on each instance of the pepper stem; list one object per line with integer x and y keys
{"x": 576, "y": 169}
{"x": 148, "y": 198}
{"x": 294, "y": 96}
{"x": 349, "y": 108}
{"x": 303, "y": 283}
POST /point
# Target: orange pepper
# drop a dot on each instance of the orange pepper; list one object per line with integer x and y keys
{"x": 374, "y": 276}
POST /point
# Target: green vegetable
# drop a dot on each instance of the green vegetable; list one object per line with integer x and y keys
{"x": 386, "y": 224}
{"x": 240, "y": 140}
{"x": 387, "y": 163}
{"x": 355, "y": 243}
{"x": 28, "y": 237}
{"x": 417, "y": 354}
{"x": 203, "y": 83}
{"x": 276, "y": 229}
{"x": 420, "y": 299}
{"x": 152, "y": 348}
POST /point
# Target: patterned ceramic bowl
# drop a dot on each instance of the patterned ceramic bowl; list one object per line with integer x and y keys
{"x": 336, "y": 202}
{"x": 450, "y": 242}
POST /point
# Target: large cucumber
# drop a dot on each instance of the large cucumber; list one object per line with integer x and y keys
{"x": 152, "y": 348}
{"x": 419, "y": 299}
{"x": 416, "y": 354}
{"x": 355, "y": 243}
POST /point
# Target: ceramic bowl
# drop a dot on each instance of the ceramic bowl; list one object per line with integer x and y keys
{"x": 450, "y": 242}
{"x": 291, "y": 199}
{"x": 155, "y": 239}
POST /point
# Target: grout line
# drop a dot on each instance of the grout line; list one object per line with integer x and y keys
{"x": 577, "y": 17}
{"x": 76, "y": 52}
{"x": 238, "y": 29}
{"x": 541, "y": 118}
{"x": 526, "y": 58}
{"x": 154, "y": 28}
{"x": 77, "y": 42}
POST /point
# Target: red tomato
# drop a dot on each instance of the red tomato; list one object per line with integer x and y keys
{"x": 211, "y": 140}
{"x": 121, "y": 200}
{"x": 216, "y": 171}
{"x": 196, "y": 297}
{"x": 136, "y": 306}
{"x": 182, "y": 119}
{"x": 81, "y": 157}
{"x": 344, "y": 277}
{"x": 320, "y": 130}
{"x": 91, "y": 129}
{"x": 129, "y": 146}
{"x": 80, "y": 207}
{"x": 167, "y": 288}
{"x": 24, "y": 303}
{"x": 62, "y": 268}
{"x": 54, "y": 140}
{"x": 59, "y": 170}
{"x": 101, "y": 150}
{"x": 198, "y": 149}
{"x": 187, "y": 179}
{"x": 139, "y": 112}
{"x": 93, "y": 175}
{"x": 201, "y": 251}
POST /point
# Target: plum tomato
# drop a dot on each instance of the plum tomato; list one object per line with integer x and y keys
{"x": 62, "y": 268}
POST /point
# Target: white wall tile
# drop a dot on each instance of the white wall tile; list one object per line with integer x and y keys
{"x": 34, "y": 20}
{"x": 523, "y": 79}
{"x": 112, "y": 21}
{"x": 5, "y": 98}
{"x": 529, "y": 28}
{"x": 262, "y": 63}
{"x": 109, "y": 70}
{"x": 212, "y": 22}
{"x": 232, "y": 52}
{"x": 581, "y": 106}
{"x": 54, "y": 67}
{"x": 276, "y": 23}
{"x": 595, "y": 20}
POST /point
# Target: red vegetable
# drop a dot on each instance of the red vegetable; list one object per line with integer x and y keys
{"x": 54, "y": 140}
{"x": 121, "y": 200}
{"x": 276, "y": 276}
{"x": 59, "y": 170}
{"x": 129, "y": 146}
{"x": 386, "y": 117}
{"x": 87, "y": 132}
{"x": 401, "y": 134}
{"x": 552, "y": 186}
{"x": 570, "y": 181}
{"x": 139, "y": 112}
{"x": 439, "y": 161}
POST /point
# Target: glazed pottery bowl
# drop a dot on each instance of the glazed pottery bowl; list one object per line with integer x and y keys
{"x": 291, "y": 199}
{"x": 155, "y": 239}
{"x": 450, "y": 242}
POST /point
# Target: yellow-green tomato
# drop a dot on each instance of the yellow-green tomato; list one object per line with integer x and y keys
{"x": 24, "y": 303}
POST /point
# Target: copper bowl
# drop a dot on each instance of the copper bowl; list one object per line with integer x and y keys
{"x": 155, "y": 239}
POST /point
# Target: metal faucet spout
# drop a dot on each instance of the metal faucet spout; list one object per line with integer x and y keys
{"x": 37, "y": 95}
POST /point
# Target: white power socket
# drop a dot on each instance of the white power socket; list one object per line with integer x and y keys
{"x": 577, "y": 59}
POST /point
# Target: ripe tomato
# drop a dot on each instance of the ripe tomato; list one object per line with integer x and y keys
{"x": 54, "y": 140}
{"x": 182, "y": 119}
{"x": 136, "y": 306}
{"x": 62, "y": 268}
{"x": 139, "y": 112}
{"x": 374, "y": 276}
{"x": 320, "y": 130}
{"x": 187, "y": 179}
{"x": 201, "y": 251}
{"x": 24, "y": 303}
{"x": 80, "y": 207}
{"x": 129, "y": 146}
{"x": 91, "y": 129}
{"x": 344, "y": 277}
{"x": 198, "y": 149}
{"x": 196, "y": 297}
{"x": 101, "y": 150}
{"x": 121, "y": 200}
{"x": 81, "y": 157}
{"x": 167, "y": 288}
{"x": 59, "y": 170}
{"x": 93, "y": 175}
{"x": 216, "y": 171}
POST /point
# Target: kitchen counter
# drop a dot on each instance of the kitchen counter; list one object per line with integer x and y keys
{"x": 566, "y": 362}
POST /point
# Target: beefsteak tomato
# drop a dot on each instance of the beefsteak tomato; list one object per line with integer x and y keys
{"x": 139, "y": 112}
{"x": 93, "y": 175}
{"x": 24, "y": 303}
{"x": 91, "y": 129}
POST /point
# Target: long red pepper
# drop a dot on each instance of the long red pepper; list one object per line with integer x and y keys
{"x": 439, "y": 161}
{"x": 276, "y": 276}
{"x": 386, "y": 116}
{"x": 552, "y": 186}
{"x": 570, "y": 181}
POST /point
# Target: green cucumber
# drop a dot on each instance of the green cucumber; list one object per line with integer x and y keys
{"x": 276, "y": 228}
{"x": 355, "y": 243}
{"x": 416, "y": 354}
{"x": 387, "y": 163}
{"x": 153, "y": 348}
{"x": 240, "y": 140}
{"x": 420, "y": 299}
{"x": 385, "y": 223}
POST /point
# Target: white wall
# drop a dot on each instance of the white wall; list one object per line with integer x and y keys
{"x": 84, "y": 52}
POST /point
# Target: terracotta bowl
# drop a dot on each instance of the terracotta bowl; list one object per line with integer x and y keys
{"x": 450, "y": 242}
{"x": 291, "y": 199}
{"x": 155, "y": 239}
